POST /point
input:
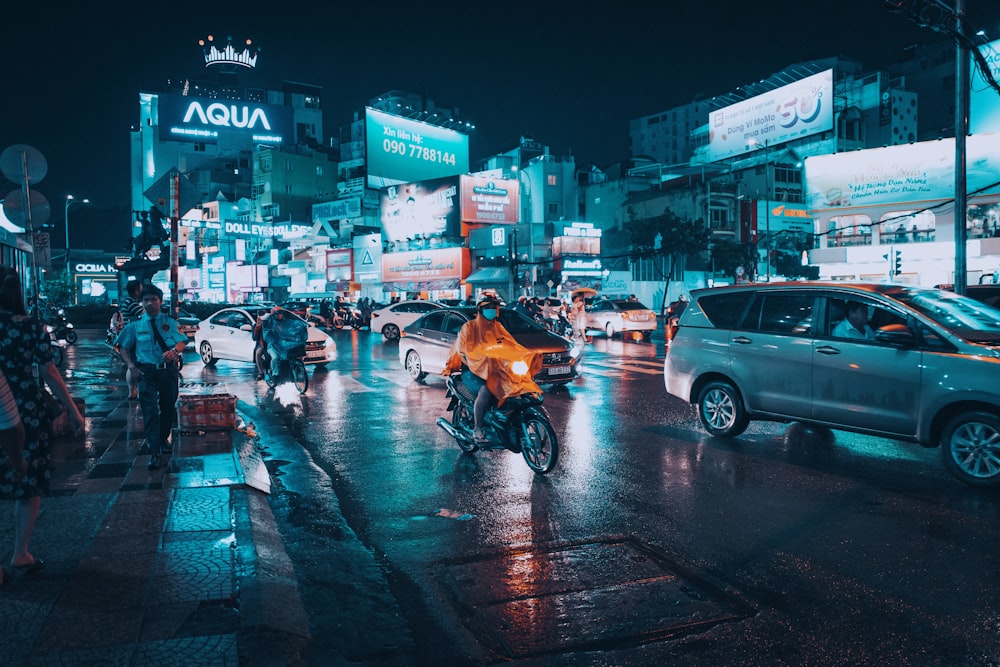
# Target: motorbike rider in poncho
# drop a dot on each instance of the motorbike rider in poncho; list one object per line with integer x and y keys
{"x": 282, "y": 332}
{"x": 485, "y": 351}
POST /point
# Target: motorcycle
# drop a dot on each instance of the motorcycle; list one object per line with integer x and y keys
{"x": 62, "y": 328}
{"x": 520, "y": 425}
{"x": 57, "y": 345}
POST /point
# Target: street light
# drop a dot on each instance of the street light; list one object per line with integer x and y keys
{"x": 70, "y": 200}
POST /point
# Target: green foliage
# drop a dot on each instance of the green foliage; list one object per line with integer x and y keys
{"x": 60, "y": 290}
{"x": 727, "y": 255}
{"x": 668, "y": 234}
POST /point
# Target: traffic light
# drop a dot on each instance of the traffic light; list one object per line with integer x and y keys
{"x": 898, "y": 264}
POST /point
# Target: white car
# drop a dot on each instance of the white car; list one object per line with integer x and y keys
{"x": 228, "y": 334}
{"x": 389, "y": 321}
{"x": 614, "y": 316}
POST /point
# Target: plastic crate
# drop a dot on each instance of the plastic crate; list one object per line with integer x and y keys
{"x": 216, "y": 412}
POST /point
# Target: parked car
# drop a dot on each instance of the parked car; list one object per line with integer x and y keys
{"x": 923, "y": 369}
{"x": 301, "y": 308}
{"x": 228, "y": 334}
{"x": 614, "y": 316}
{"x": 187, "y": 323}
{"x": 425, "y": 345}
{"x": 389, "y": 321}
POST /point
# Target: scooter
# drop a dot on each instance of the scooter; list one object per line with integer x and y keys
{"x": 62, "y": 327}
{"x": 521, "y": 425}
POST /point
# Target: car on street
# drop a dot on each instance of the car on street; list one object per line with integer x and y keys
{"x": 391, "y": 319}
{"x": 186, "y": 322}
{"x": 620, "y": 316}
{"x": 896, "y": 361}
{"x": 425, "y": 345}
{"x": 988, "y": 293}
{"x": 228, "y": 334}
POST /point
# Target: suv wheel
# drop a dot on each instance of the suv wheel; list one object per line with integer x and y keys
{"x": 721, "y": 410}
{"x": 970, "y": 448}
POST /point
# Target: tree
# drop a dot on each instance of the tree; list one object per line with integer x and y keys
{"x": 728, "y": 255}
{"x": 60, "y": 290}
{"x": 669, "y": 237}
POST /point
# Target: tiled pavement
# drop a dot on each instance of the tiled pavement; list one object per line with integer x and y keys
{"x": 182, "y": 565}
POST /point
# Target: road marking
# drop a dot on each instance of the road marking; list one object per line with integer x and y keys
{"x": 633, "y": 366}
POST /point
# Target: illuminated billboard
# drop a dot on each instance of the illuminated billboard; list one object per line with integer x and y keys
{"x": 923, "y": 171}
{"x": 400, "y": 150}
{"x": 424, "y": 270}
{"x": 490, "y": 200}
{"x": 790, "y": 112}
{"x": 984, "y": 101}
{"x": 416, "y": 212}
{"x": 207, "y": 121}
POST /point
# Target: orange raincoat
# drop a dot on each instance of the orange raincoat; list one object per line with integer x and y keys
{"x": 488, "y": 350}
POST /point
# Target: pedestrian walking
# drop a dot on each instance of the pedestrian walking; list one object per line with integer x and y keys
{"x": 131, "y": 311}
{"x": 26, "y": 360}
{"x": 151, "y": 347}
{"x": 578, "y": 316}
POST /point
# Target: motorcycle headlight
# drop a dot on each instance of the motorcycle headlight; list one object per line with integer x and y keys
{"x": 519, "y": 367}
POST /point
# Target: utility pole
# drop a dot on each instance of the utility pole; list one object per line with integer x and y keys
{"x": 962, "y": 83}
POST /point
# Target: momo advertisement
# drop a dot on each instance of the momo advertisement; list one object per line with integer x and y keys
{"x": 400, "y": 150}
{"x": 790, "y": 112}
{"x": 490, "y": 200}
{"x": 204, "y": 120}
{"x": 919, "y": 172}
{"x": 416, "y": 212}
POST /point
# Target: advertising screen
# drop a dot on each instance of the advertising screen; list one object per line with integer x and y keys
{"x": 924, "y": 171}
{"x": 400, "y": 150}
{"x": 984, "y": 101}
{"x": 207, "y": 121}
{"x": 790, "y": 112}
{"x": 420, "y": 211}
{"x": 426, "y": 269}
{"x": 490, "y": 200}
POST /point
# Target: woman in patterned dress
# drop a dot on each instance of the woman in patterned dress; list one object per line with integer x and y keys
{"x": 24, "y": 346}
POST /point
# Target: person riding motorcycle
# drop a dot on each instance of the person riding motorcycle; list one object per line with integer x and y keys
{"x": 280, "y": 333}
{"x": 483, "y": 344}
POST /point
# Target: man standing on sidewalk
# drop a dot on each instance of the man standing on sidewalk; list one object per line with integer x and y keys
{"x": 151, "y": 348}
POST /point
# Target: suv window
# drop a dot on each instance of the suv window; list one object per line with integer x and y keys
{"x": 724, "y": 310}
{"x": 781, "y": 313}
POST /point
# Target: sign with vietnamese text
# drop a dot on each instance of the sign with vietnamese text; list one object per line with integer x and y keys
{"x": 490, "y": 200}
{"x": 799, "y": 109}
{"x": 401, "y": 150}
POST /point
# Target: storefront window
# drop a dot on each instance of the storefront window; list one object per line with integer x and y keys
{"x": 907, "y": 227}
{"x": 849, "y": 230}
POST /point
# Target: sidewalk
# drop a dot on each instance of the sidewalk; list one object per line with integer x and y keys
{"x": 181, "y": 565}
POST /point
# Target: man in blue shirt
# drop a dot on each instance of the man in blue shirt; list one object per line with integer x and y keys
{"x": 151, "y": 348}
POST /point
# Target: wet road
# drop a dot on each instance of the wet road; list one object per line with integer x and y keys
{"x": 651, "y": 541}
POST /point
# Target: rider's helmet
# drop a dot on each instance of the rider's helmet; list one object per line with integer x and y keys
{"x": 488, "y": 301}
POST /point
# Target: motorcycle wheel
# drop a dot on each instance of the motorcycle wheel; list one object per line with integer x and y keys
{"x": 300, "y": 377}
{"x": 539, "y": 445}
{"x": 270, "y": 378}
{"x": 71, "y": 336}
{"x": 58, "y": 356}
{"x": 461, "y": 419}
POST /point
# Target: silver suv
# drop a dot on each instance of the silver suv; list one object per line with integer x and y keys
{"x": 898, "y": 361}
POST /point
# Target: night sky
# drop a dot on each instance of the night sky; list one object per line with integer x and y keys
{"x": 569, "y": 74}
